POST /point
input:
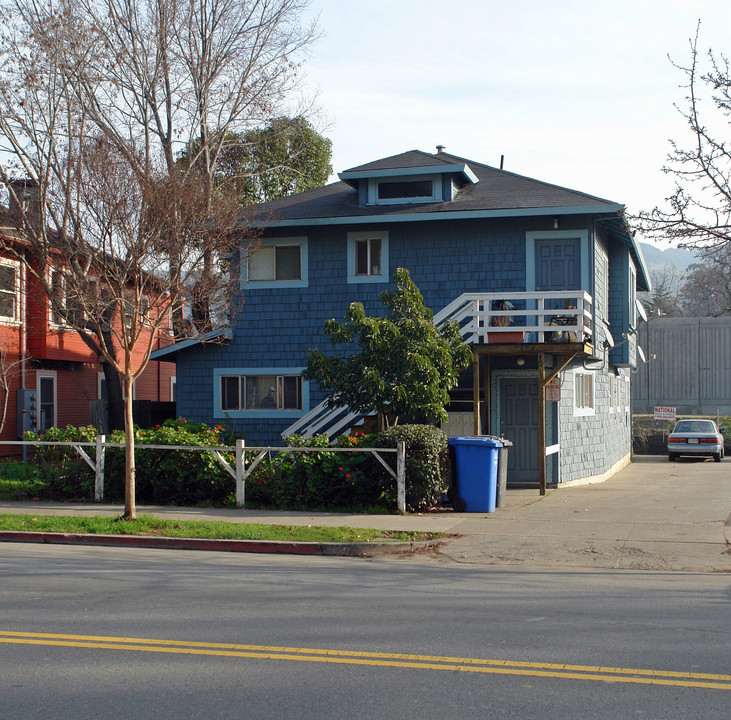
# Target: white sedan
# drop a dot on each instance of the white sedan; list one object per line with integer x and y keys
{"x": 695, "y": 437}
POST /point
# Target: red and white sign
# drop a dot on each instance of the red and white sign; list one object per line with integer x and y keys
{"x": 664, "y": 413}
{"x": 553, "y": 390}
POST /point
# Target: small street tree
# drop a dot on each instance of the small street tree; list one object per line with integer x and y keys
{"x": 402, "y": 364}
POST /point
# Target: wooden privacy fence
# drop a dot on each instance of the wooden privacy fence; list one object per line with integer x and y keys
{"x": 240, "y": 470}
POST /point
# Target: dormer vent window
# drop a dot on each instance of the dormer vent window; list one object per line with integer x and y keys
{"x": 403, "y": 190}
{"x": 413, "y": 189}
{"x": 435, "y": 182}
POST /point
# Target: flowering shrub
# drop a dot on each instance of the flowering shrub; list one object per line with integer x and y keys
{"x": 324, "y": 480}
{"x": 328, "y": 480}
{"x": 177, "y": 477}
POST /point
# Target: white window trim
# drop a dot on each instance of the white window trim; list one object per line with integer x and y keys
{"x": 383, "y": 276}
{"x": 101, "y": 378}
{"x": 584, "y": 411}
{"x": 436, "y": 184}
{"x": 173, "y": 388}
{"x": 5, "y": 319}
{"x": 530, "y": 253}
{"x": 633, "y": 295}
{"x": 289, "y": 415}
{"x": 47, "y": 374}
{"x": 605, "y": 288}
{"x": 268, "y": 284}
{"x": 61, "y": 322}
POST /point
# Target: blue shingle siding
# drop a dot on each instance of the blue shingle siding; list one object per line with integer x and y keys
{"x": 619, "y": 302}
{"x": 276, "y": 327}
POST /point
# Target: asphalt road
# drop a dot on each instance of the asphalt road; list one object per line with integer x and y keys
{"x": 118, "y": 633}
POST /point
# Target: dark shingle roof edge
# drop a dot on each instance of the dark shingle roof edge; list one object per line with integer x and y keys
{"x": 442, "y": 215}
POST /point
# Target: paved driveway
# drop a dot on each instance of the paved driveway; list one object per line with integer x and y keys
{"x": 653, "y": 515}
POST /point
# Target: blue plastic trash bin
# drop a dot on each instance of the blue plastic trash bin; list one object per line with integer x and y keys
{"x": 476, "y": 459}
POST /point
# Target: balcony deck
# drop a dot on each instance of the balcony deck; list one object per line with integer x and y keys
{"x": 562, "y": 319}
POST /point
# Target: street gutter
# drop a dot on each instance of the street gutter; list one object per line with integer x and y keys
{"x": 364, "y": 549}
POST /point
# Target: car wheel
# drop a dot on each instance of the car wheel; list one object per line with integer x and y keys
{"x": 672, "y": 457}
{"x": 717, "y": 457}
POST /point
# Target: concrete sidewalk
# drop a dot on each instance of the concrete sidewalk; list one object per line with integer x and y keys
{"x": 654, "y": 515}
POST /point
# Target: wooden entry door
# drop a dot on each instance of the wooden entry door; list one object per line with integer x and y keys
{"x": 519, "y": 424}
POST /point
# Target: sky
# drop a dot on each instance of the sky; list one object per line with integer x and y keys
{"x": 578, "y": 93}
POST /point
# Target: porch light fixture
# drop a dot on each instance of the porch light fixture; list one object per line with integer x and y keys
{"x": 520, "y": 361}
{"x": 555, "y": 223}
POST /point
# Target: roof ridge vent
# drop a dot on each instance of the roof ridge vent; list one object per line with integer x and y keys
{"x": 440, "y": 149}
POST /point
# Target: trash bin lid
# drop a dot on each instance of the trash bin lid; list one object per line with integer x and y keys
{"x": 483, "y": 440}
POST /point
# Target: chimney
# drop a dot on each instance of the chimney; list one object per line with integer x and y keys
{"x": 440, "y": 149}
{"x": 24, "y": 203}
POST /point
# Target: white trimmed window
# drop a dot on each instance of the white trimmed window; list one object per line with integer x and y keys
{"x": 633, "y": 297}
{"x": 46, "y": 389}
{"x": 367, "y": 257}
{"x": 58, "y": 305}
{"x": 583, "y": 393}
{"x": 9, "y": 290}
{"x": 133, "y": 310}
{"x": 278, "y": 262}
{"x": 260, "y": 392}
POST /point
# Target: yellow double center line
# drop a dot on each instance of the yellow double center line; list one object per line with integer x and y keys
{"x": 395, "y": 660}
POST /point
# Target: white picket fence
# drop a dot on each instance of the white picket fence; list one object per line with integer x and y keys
{"x": 241, "y": 468}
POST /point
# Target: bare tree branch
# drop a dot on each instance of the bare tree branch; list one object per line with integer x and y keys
{"x": 698, "y": 213}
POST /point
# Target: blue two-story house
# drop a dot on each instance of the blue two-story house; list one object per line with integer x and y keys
{"x": 541, "y": 279}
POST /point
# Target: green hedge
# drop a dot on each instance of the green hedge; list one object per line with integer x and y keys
{"x": 288, "y": 480}
{"x": 177, "y": 477}
{"x": 427, "y": 462}
{"x": 63, "y": 473}
{"x": 172, "y": 477}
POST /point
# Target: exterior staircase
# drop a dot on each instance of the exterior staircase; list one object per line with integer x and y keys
{"x": 482, "y": 318}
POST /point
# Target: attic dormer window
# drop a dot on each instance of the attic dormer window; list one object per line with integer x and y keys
{"x": 392, "y": 191}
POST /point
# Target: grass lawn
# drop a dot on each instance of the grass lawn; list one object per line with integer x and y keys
{"x": 149, "y": 525}
{"x": 17, "y": 478}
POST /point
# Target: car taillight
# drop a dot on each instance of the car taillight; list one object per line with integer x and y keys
{"x": 676, "y": 439}
{"x": 713, "y": 441}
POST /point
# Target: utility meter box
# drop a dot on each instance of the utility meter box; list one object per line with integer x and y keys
{"x": 27, "y": 412}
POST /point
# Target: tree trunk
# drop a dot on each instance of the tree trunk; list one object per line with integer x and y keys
{"x": 115, "y": 403}
{"x": 130, "y": 508}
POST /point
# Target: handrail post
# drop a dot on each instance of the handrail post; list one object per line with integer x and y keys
{"x": 401, "y": 475}
{"x": 99, "y": 470}
{"x": 240, "y": 467}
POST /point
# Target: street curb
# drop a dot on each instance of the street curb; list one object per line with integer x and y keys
{"x": 221, "y": 545}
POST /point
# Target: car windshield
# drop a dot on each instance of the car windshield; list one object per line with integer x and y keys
{"x": 695, "y": 426}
